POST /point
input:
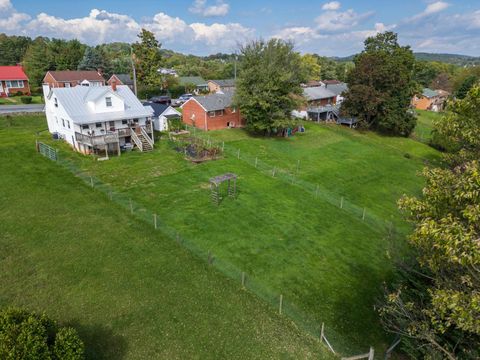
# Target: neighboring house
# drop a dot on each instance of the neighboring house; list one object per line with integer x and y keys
{"x": 13, "y": 80}
{"x": 200, "y": 84}
{"x": 432, "y": 100}
{"x": 67, "y": 78}
{"x": 319, "y": 96}
{"x": 162, "y": 113}
{"x": 221, "y": 85}
{"x": 122, "y": 79}
{"x": 99, "y": 119}
{"x": 338, "y": 90}
{"x": 212, "y": 112}
{"x": 330, "y": 82}
{"x": 321, "y": 104}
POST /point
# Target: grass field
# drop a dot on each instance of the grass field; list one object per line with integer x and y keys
{"x": 132, "y": 293}
{"x": 425, "y": 119}
{"x": 326, "y": 261}
{"x": 15, "y": 100}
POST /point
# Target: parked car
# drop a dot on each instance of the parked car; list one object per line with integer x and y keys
{"x": 163, "y": 99}
{"x": 183, "y": 99}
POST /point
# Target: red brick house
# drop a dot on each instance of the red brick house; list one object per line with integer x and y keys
{"x": 212, "y": 112}
{"x": 67, "y": 78}
{"x": 13, "y": 80}
{"x": 122, "y": 79}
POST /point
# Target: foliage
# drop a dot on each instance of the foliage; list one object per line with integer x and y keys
{"x": 381, "y": 86}
{"x": 13, "y": 49}
{"x": 459, "y": 130}
{"x": 439, "y": 312}
{"x": 311, "y": 67}
{"x": 465, "y": 86}
{"x": 92, "y": 60}
{"x": 26, "y": 99}
{"x": 37, "y": 61}
{"x": 25, "y": 335}
{"x": 268, "y": 88}
{"x": 147, "y": 59}
{"x": 65, "y": 55}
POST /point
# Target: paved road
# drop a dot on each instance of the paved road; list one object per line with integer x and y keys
{"x": 11, "y": 109}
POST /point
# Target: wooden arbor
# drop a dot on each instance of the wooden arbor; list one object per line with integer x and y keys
{"x": 215, "y": 186}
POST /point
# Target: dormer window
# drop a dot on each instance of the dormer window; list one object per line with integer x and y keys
{"x": 108, "y": 101}
{"x": 55, "y": 100}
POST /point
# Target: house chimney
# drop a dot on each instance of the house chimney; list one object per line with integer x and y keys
{"x": 114, "y": 85}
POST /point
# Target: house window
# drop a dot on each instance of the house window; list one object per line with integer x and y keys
{"x": 108, "y": 101}
{"x": 85, "y": 127}
{"x": 219, "y": 113}
{"x": 68, "y": 124}
{"x": 67, "y": 85}
{"x": 98, "y": 125}
{"x": 55, "y": 100}
{"x": 135, "y": 121}
{"x": 14, "y": 84}
{"x": 63, "y": 122}
{"x": 211, "y": 113}
{"x": 124, "y": 122}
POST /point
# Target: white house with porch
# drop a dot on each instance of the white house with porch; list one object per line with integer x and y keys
{"x": 99, "y": 119}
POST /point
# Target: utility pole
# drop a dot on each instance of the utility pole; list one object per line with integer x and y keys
{"x": 134, "y": 72}
{"x": 235, "y": 67}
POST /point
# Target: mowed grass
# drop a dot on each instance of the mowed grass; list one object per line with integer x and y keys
{"x": 132, "y": 293}
{"x": 325, "y": 261}
{"x": 425, "y": 120}
{"x": 16, "y": 100}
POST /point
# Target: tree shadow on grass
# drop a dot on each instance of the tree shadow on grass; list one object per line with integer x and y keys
{"x": 100, "y": 341}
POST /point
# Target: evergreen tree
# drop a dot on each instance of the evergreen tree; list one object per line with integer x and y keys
{"x": 92, "y": 60}
{"x": 37, "y": 61}
{"x": 465, "y": 86}
{"x": 147, "y": 59}
{"x": 381, "y": 86}
{"x": 13, "y": 49}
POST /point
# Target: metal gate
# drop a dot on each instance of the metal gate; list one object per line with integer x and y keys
{"x": 47, "y": 151}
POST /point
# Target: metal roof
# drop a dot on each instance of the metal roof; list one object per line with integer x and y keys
{"x": 318, "y": 93}
{"x": 124, "y": 78}
{"x": 159, "y": 109}
{"x": 224, "y": 82}
{"x": 75, "y": 102}
{"x": 429, "y": 93}
{"x": 337, "y": 89}
{"x": 217, "y": 101}
{"x": 195, "y": 80}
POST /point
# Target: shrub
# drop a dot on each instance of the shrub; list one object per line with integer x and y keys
{"x": 26, "y": 99}
{"x": 18, "y": 93}
{"x": 25, "y": 335}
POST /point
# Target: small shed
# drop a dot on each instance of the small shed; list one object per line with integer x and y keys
{"x": 162, "y": 113}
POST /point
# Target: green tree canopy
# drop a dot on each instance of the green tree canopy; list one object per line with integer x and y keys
{"x": 92, "y": 60}
{"x": 268, "y": 88}
{"x": 13, "y": 49}
{"x": 147, "y": 59}
{"x": 25, "y": 335}
{"x": 381, "y": 86}
{"x": 37, "y": 60}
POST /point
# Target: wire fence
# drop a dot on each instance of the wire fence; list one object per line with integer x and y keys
{"x": 335, "y": 343}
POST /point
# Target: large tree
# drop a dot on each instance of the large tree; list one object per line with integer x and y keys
{"x": 13, "y": 49}
{"x": 148, "y": 59}
{"x": 268, "y": 88}
{"x": 436, "y": 307}
{"x": 92, "y": 60}
{"x": 381, "y": 86}
{"x": 66, "y": 55}
{"x": 37, "y": 61}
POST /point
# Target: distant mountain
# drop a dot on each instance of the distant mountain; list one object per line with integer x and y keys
{"x": 460, "y": 60}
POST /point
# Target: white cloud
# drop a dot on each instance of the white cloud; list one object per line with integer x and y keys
{"x": 338, "y": 21}
{"x": 225, "y": 35}
{"x": 10, "y": 19}
{"x": 5, "y": 5}
{"x": 200, "y": 7}
{"x": 333, "y": 5}
{"x": 436, "y": 7}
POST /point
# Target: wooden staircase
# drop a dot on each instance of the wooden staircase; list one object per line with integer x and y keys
{"x": 142, "y": 140}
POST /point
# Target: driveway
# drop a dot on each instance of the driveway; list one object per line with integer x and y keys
{"x": 30, "y": 108}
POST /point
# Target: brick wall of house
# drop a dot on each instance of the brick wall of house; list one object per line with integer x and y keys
{"x": 203, "y": 121}
{"x": 25, "y": 90}
{"x": 422, "y": 103}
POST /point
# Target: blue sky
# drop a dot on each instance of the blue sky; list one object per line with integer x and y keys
{"x": 331, "y": 28}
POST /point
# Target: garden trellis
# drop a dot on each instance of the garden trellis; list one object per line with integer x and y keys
{"x": 217, "y": 181}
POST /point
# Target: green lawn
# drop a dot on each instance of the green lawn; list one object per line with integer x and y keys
{"x": 16, "y": 100}
{"x": 290, "y": 239}
{"x": 130, "y": 291}
{"x": 425, "y": 119}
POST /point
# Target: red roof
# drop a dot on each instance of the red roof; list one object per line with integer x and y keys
{"x": 68, "y": 75}
{"x": 12, "y": 73}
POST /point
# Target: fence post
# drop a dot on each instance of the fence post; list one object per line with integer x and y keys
{"x": 316, "y": 192}
{"x": 322, "y": 332}
{"x": 298, "y": 166}
{"x": 256, "y": 162}
{"x": 223, "y": 146}
{"x": 131, "y": 207}
{"x": 110, "y": 195}
{"x": 91, "y": 181}
{"x": 363, "y": 216}
{"x": 155, "y": 221}
{"x": 238, "y": 154}
{"x": 280, "y": 305}
{"x": 371, "y": 354}
{"x": 273, "y": 172}
{"x": 243, "y": 279}
{"x": 341, "y": 203}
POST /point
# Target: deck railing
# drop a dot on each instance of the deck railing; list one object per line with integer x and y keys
{"x": 93, "y": 140}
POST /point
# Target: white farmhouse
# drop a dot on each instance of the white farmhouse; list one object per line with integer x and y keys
{"x": 99, "y": 118}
